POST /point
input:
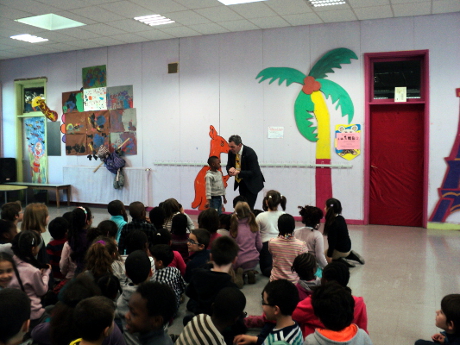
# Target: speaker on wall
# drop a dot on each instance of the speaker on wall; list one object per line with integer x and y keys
{"x": 7, "y": 170}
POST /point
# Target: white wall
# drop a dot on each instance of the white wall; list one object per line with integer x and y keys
{"x": 216, "y": 85}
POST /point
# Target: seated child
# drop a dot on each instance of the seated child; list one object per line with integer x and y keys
{"x": 7, "y": 232}
{"x": 305, "y": 267}
{"x": 179, "y": 235}
{"x": 197, "y": 243}
{"x": 12, "y": 211}
{"x": 224, "y": 224}
{"x": 150, "y": 309}
{"x": 209, "y": 220}
{"x": 228, "y": 306}
{"x": 157, "y": 217}
{"x": 14, "y": 316}
{"x": 108, "y": 228}
{"x": 334, "y": 305}
{"x": 163, "y": 255}
{"x": 163, "y": 236}
{"x": 94, "y": 320}
{"x": 279, "y": 299}
{"x": 448, "y": 319}
{"x": 58, "y": 228}
{"x": 118, "y": 214}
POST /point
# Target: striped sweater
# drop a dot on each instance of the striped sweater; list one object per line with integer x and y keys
{"x": 284, "y": 251}
{"x": 200, "y": 331}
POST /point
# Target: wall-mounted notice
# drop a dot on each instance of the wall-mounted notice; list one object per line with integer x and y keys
{"x": 400, "y": 94}
{"x": 348, "y": 141}
{"x": 275, "y": 132}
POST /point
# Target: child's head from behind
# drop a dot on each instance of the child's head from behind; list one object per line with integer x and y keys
{"x": 161, "y": 236}
{"x": 157, "y": 217}
{"x": 209, "y": 220}
{"x": 58, "y": 228}
{"x": 137, "y": 210}
{"x": 242, "y": 210}
{"x": 150, "y": 307}
{"x": 224, "y": 250}
{"x": 179, "y": 224}
{"x": 224, "y": 221}
{"x": 35, "y": 217}
{"x": 311, "y": 216}
{"x": 100, "y": 256}
{"x": 8, "y": 231}
{"x": 286, "y": 224}
{"x": 138, "y": 267}
{"x": 7, "y": 269}
{"x": 334, "y": 305}
{"x": 14, "y": 316}
{"x": 237, "y": 199}
{"x": 336, "y": 271}
{"x": 273, "y": 199}
{"x": 116, "y": 208}
{"x": 94, "y": 317}
{"x": 228, "y": 305}
{"x": 108, "y": 228}
{"x": 110, "y": 286}
{"x": 82, "y": 218}
{"x": 136, "y": 240}
{"x": 171, "y": 206}
{"x": 12, "y": 211}
{"x": 162, "y": 254}
{"x": 334, "y": 206}
{"x": 305, "y": 266}
{"x": 198, "y": 240}
{"x": 448, "y": 317}
{"x": 279, "y": 298}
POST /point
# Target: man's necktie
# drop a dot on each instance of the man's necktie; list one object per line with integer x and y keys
{"x": 237, "y": 166}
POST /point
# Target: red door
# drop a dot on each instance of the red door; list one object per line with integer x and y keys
{"x": 396, "y": 159}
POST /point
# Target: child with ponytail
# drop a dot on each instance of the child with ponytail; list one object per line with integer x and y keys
{"x": 99, "y": 258}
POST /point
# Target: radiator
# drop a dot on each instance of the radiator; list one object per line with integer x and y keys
{"x": 97, "y": 187}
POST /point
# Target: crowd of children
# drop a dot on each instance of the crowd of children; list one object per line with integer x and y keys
{"x": 123, "y": 282}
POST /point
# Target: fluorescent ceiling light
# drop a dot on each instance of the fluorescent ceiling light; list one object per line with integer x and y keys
{"x": 319, "y": 3}
{"x": 238, "y": 2}
{"x": 154, "y": 19}
{"x": 29, "y": 38}
{"x": 50, "y": 22}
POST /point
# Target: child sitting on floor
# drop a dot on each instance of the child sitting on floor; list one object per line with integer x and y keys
{"x": 14, "y": 316}
{"x": 118, "y": 214}
{"x": 305, "y": 267}
{"x": 7, "y": 232}
{"x": 58, "y": 228}
{"x": 163, "y": 236}
{"x": 179, "y": 235}
{"x": 197, "y": 243}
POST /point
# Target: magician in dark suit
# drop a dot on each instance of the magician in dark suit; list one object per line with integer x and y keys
{"x": 244, "y": 166}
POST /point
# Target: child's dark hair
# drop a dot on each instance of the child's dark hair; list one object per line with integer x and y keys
{"x": 137, "y": 210}
{"x": 209, "y": 220}
{"x": 224, "y": 221}
{"x": 305, "y": 266}
{"x": 5, "y": 229}
{"x": 160, "y": 298}
{"x": 110, "y": 286}
{"x": 286, "y": 224}
{"x": 14, "y": 311}
{"x": 228, "y": 305}
{"x": 334, "y": 305}
{"x": 58, "y": 228}
{"x": 161, "y": 236}
{"x": 203, "y": 236}
{"x": 68, "y": 217}
{"x": 257, "y": 212}
{"x": 282, "y": 293}
{"x": 138, "y": 266}
{"x": 108, "y": 228}
{"x": 333, "y": 207}
{"x": 171, "y": 206}
{"x": 337, "y": 271}
{"x": 162, "y": 252}
{"x": 179, "y": 224}
{"x": 11, "y": 210}
{"x": 212, "y": 159}
{"x": 224, "y": 250}
{"x": 274, "y": 198}
{"x": 7, "y": 257}
{"x": 93, "y": 315}
{"x": 117, "y": 208}
{"x": 22, "y": 247}
{"x": 450, "y": 306}
{"x": 311, "y": 216}
{"x": 136, "y": 240}
{"x": 239, "y": 198}
{"x": 157, "y": 217}
{"x": 77, "y": 237}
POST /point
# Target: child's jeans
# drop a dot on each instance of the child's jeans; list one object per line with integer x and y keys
{"x": 216, "y": 203}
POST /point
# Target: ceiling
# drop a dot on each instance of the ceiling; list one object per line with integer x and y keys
{"x": 109, "y": 22}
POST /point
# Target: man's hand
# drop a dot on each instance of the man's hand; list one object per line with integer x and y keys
{"x": 231, "y": 170}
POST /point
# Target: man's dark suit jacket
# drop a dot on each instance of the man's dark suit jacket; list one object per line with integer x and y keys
{"x": 250, "y": 170}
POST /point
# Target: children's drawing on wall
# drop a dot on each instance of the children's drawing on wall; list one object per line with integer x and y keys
{"x": 123, "y": 120}
{"x": 95, "y": 141}
{"x": 34, "y": 128}
{"x": 348, "y": 141}
{"x": 75, "y": 123}
{"x": 116, "y": 139}
{"x": 97, "y": 122}
{"x": 72, "y": 101}
{"x": 120, "y": 97}
{"x": 29, "y": 94}
{"x": 95, "y": 99}
{"x": 75, "y": 144}
{"x": 311, "y": 102}
{"x": 95, "y": 76}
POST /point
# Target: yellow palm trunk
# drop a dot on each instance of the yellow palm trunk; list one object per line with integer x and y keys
{"x": 323, "y": 145}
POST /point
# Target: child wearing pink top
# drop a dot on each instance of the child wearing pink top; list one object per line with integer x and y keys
{"x": 284, "y": 250}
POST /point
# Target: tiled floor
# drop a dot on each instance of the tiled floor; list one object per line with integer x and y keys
{"x": 407, "y": 272}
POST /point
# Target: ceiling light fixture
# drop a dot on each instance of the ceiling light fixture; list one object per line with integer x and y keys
{"x": 154, "y": 19}
{"x": 237, "y": 2}
{"x": 319, "y": 3}
{"x": 29, "y": 38}
{"x": 50, "y": 22}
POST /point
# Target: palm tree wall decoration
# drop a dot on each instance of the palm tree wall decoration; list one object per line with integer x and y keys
{"x": 310, "y": 102}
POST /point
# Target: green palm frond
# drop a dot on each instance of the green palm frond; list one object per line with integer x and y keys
{"x": 303, "y": 105}
{"x": 332, "y": 59}
{"x": 338, "y": 93}
{"x": 291, "y": 75}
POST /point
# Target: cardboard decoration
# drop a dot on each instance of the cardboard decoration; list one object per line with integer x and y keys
{"x": 348, "y": 141}
{"x": 94, "y": 77}
{"x": 95, "y": 99}
{"x": 312, "y": 100}
{"x": 120, "y": 97}
{"x": 40, "y": 103}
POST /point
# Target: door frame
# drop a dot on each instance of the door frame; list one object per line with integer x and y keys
{"x": 369, "y": 59}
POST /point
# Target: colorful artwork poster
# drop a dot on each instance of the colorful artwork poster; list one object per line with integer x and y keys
{"x": 97, "y": 122}
{"x": 94, "y": 77}
{"x": 116, "y": 139}
{"x": 29, "y": 94}
{"x": 95, "y": 99}
{"x": 75, "y": 144}
{"x": 348, "y": 141}
{"x": 120, "y": 97}
{"x": 75, "y": 123}
{"x": 34, "y": 134}
{"x": 123, "y": 120}
{"x": 96, "y": 140}
{"x": 72, "y": 101}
